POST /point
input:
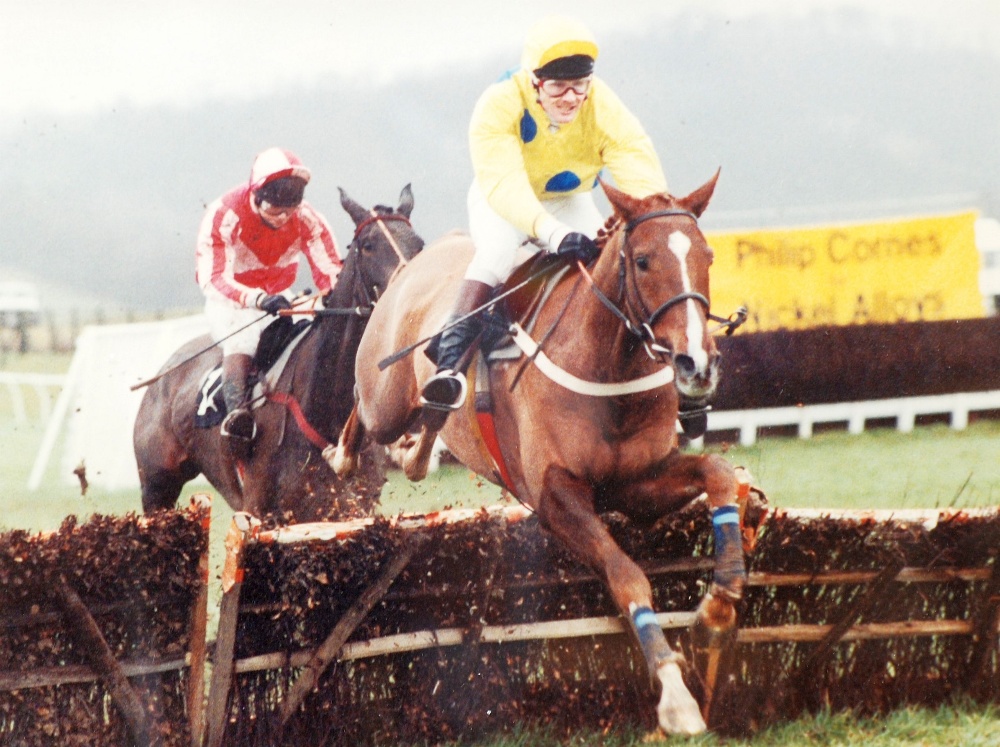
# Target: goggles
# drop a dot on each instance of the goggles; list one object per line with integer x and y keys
{"x": 559, "y": 88}
{"x": 275, "y": 211}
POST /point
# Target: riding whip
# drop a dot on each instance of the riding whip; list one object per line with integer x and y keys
{"x": 201, "y": 352}
{"x": 400, "y": 354}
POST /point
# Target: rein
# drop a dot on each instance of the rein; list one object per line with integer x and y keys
{"x": 643, "y": 329}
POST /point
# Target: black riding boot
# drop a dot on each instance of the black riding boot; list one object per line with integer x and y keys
{"x": 446, "y": 389}
{"x": 238, "y": 429}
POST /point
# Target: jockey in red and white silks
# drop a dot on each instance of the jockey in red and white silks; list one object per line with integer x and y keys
{"x": 247, "y": 257}
{"x": 242, "y": 258}
{"x": 538, "y": 140}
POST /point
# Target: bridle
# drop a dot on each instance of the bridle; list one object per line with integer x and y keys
{"x": 369, "y": 289}
{"x": 639, "y": 320}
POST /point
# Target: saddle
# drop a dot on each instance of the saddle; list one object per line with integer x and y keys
{"x": 275, "y": 347}
{"x": 521, "y": 305}
{"x": 497, "y": 344}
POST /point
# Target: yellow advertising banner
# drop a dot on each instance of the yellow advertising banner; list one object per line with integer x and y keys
{"x": 919, "y": 269}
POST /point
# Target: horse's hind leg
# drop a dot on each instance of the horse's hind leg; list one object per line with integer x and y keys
{"x": 348, "y": 454}
{"x": 416, "y": 459}
{"x": 566, "y": 509}
{"x": 162, "y": 487}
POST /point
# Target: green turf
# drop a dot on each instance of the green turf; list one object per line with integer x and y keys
{"x": 961, "y": 724}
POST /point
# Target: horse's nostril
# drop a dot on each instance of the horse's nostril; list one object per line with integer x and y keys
{"x": 685, "y": 365}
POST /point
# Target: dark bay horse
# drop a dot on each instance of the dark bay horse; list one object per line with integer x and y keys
{"x": 587, "y": 420}
{"x": 287, "y": 473}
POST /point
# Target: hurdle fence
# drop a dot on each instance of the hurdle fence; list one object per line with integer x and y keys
{"x": 103, "y": 631}
{"x": 462, "y": 623}
{"x": 373, "y": 647}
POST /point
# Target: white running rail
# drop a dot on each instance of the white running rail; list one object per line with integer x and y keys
{"x": 43, "y": 386}
{"x": 904, "y": 410}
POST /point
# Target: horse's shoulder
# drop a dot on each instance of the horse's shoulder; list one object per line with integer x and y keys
{"x": 446, "y": 250}
{"x": 454, "y": 237}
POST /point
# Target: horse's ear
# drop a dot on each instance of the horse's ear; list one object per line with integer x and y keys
{"x": 353, "y": 209}
{"x": 405, "y": 201}
{"x": 698, "y": 200}
{"x": 625, "y": 206}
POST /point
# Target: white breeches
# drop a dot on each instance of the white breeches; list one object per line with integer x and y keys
{"x": 497, "y": 242}
{"x": 225, "y": 317}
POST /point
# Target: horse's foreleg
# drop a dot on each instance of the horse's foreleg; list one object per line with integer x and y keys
{"x": 730, "y": 566}
{"x": 678, "y": 481}
{"x": 161, "y": 488}
{"x": 347, "y": 455}
{"x": 416, "y": 459}
{"x": 566, "y": 509}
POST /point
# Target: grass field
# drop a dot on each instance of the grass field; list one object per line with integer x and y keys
{"x": 932, "y": 467}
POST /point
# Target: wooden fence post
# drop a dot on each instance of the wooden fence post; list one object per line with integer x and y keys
{"x": 102, "y": 660}
{"x": 986, "y": 636}
{"x": 327, "y": 651}
{"x": 814, "y": 663}
{"x": 201, "y": 505}
{"x": 240, "y": 531}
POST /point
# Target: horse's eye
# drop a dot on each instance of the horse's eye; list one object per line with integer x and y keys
{"x": 367, "y": 249}
{"x": 642, "y": 262}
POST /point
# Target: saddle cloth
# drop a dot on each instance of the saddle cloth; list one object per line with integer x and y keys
{"x": 277, "y": 342}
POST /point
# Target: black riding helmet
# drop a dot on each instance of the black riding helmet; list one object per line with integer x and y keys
{"x": 573, "y": 67}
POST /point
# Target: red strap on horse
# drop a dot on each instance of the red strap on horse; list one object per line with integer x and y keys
{"x": 286, "y": 399}
{"x": 488, "y": 432}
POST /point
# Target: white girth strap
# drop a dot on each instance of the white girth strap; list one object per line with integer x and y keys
{"x": 575, "y": 384}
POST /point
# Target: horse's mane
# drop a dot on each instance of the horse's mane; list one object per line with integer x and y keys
{"x": 604, "y": 233}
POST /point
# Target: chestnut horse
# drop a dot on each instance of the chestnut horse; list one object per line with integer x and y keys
{"x": 308, "y": 405}
{"x": 586, "y": 421}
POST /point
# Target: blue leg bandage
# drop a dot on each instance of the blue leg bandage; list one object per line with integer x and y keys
{"x": 730, "y": 570}
{"x": 651, "y": 639}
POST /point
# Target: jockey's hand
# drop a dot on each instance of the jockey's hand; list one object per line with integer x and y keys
{"x": 580, "y": 247}
{"x": 273, "y": 304}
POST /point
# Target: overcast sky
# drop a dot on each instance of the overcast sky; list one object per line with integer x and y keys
{"x": 73, "y": 56}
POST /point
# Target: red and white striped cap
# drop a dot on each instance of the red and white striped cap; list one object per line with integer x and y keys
{"x": 275, "y": 163}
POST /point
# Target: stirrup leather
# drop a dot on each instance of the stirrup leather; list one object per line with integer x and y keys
{"x": 442, "y": 400}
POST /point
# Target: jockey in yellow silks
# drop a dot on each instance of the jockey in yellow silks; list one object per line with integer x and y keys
{"x": 538, "y": 140}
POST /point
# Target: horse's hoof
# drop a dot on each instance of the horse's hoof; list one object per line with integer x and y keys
{"x": 677, "y": 711}
{"x": 341, "y": 465}
{"x": 416, "y": 469}
{"x": 716, "y": 612}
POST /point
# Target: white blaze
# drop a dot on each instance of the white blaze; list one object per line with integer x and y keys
{"x": 680, "y": 245}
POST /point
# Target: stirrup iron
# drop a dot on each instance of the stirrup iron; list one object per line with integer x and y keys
{"x": 441, "y": 376}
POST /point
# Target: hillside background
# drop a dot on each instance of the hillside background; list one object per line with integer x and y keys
{"x": 832, "y": 115}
